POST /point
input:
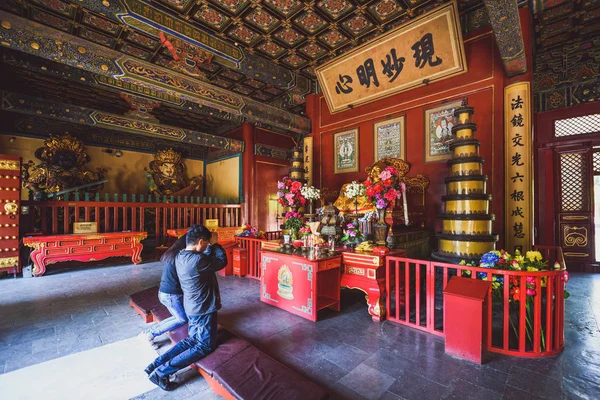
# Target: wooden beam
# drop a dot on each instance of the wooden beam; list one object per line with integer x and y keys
{"x": 33, "y": 38}
{"x": 23, "y": 104}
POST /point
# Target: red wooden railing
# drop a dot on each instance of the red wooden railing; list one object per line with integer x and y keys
{"x": 253, "y": 246}
{"x": 533, "y": 326}
{"x": 57, "y": 217}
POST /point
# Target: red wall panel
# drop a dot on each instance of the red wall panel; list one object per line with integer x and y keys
{"x": 483, "y": 85}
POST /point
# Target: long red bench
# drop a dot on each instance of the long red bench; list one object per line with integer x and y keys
{"x": 237, "y": 369}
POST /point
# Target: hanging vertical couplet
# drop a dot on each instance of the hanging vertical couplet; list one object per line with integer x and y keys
{"x": 517, "y": 142}
{"x": 308, "y": 160}
{"x": 426, "y": 49}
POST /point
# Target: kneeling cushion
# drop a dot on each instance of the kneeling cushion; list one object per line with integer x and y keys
{"x": 228, "y": 346}
{"x": 254, "y": 375}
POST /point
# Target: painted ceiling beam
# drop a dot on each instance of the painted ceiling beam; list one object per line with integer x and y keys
{"x": 33, "y": 38}
{"x": 152, "y": 19}
{"x": 504, "y": 17}
{"x": 29, "y": 105}
{"x": 41, "y": 128}
{"x": 65, "y": 72}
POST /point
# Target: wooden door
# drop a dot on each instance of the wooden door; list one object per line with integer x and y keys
{"x": 573, "y": 169}
{"x": 265, "y": 193}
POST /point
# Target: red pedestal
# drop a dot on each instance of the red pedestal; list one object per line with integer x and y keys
{"x": 366, "y": 271}
{"x": 298, "y": 284}
{"x": 240, "y": 261}
{"x": 465, "y": 308}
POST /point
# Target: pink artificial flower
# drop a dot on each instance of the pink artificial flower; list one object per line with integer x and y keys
{"x": 392, "y": 170}
{"x": 530, "y": 292}
{"x": 565, "y": 277}
{"x": 290, "y": 198}
{"x": 556, "y": 265}
{"x": 385, "y": 174}
{"x": 530, "y": 280}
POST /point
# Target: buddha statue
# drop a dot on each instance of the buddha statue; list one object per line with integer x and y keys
{"x": 165, "y": 176}
{"x": 63, "y": 167}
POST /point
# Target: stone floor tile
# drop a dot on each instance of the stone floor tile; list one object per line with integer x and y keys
{"x": 484, "y": 377}
{"x": 389, "y": 362}
{"x": 346, "y": 356}
{"x": 534, "y": 383}
{"x": 340, "y": 391}
{"x": 410, "y": 386}
{"x": 368, "y": 382}
{"x": 512, "y": 393}
{"x": 390, "y": 396}
{"x": 22, "y": 361}
{"x": 462, "y": 390}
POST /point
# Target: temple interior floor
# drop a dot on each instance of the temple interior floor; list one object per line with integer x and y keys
{"x": 70, "y": 311}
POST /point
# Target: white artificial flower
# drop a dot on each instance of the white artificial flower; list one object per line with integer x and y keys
{"x": 310, "y": 192}
{"x": 355, "y": 189}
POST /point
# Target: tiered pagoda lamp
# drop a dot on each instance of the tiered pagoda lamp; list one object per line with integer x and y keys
{"x": 297, "y": 168}
{"x": 466, "y": 224}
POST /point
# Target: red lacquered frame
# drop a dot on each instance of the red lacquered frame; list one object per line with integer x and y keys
{"x": 87, "y": 247}
{"x": 401, "y": 269}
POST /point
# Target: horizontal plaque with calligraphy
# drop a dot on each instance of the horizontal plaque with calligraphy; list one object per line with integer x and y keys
{"x": 427, "y": 49}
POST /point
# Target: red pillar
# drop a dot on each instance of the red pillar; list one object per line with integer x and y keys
{"x": 248, "y": 173}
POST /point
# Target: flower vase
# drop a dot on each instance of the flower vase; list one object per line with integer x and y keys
{"x": 294, "y": 235}
{"x": 381, "y": 228}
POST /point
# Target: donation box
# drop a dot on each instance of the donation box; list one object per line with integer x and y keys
{"x": 240, "y": 261}
{"x": 465, "y": 310}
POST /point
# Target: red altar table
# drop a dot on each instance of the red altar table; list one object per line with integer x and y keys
{"x": 298, "y": 284}
{"x": 87, "y": 247}
{"x": 366, "y": 271}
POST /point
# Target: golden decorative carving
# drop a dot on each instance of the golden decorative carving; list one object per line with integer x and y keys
{"x": 575, "y": 218}
{"x": 165, "y": 175}
{"x": 570, "y": 254}
{"x": 35, "y": 245}
{"x": 575, "y": 236}
{"x": 356, "y": 271}
{"x": 8, "y": 262}
{"x": 11, "y": 208}
{"x": 12, "y": 165}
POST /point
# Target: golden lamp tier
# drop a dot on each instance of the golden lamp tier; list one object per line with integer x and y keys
{"x": 466, "y": 184}
{"x": 297, "y": 168}
{"x": 467, "y": 224}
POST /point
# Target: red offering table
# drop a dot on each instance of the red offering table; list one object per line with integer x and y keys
{"x": 298, "y": 284}
{"x": 366, "y": 271}
{"x": 87, "y": 247}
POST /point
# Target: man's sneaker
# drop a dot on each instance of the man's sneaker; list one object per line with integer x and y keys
{"x": 150, "y": 339}
{"x": 150, "y": 368}
{"x": 162, "y": 382}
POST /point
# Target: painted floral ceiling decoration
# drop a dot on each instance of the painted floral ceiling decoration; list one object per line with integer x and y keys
{"x": 284, "y": 39}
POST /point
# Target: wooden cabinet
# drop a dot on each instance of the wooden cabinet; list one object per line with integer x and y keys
{"x": 10, "y": 210}
{"x": 298, "y": 284}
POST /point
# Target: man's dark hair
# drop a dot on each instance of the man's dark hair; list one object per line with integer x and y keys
{"x": 196, "y": 233}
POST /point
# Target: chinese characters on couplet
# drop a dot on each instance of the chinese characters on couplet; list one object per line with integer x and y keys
{"x": 391, "y": 67}
{"x": 517, "y": 197}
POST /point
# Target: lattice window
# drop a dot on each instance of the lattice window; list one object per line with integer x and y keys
{"x": 573, "y": 178}
{"x": 577, "y": 126}
{"x": 597, "y": 162}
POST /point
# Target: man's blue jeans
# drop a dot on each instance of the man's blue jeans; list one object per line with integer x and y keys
{"x": 201, "y": 340}
{"x": 174, "y": 303}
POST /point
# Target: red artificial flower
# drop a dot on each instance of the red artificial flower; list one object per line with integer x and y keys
{"x": 367, "y": 183}
{"x": 388, "y": 182}
{"x": 390, "y": 195}
{"x": 392, "y": 170}
{"x": 378, "y": 188}
{"x": 296, "y": 186}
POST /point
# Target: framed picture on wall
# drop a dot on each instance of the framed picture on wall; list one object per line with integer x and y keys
{"x": 438, "y": 131}
{"x": 346, "y": 151}
{"x": 389, "y": 139}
